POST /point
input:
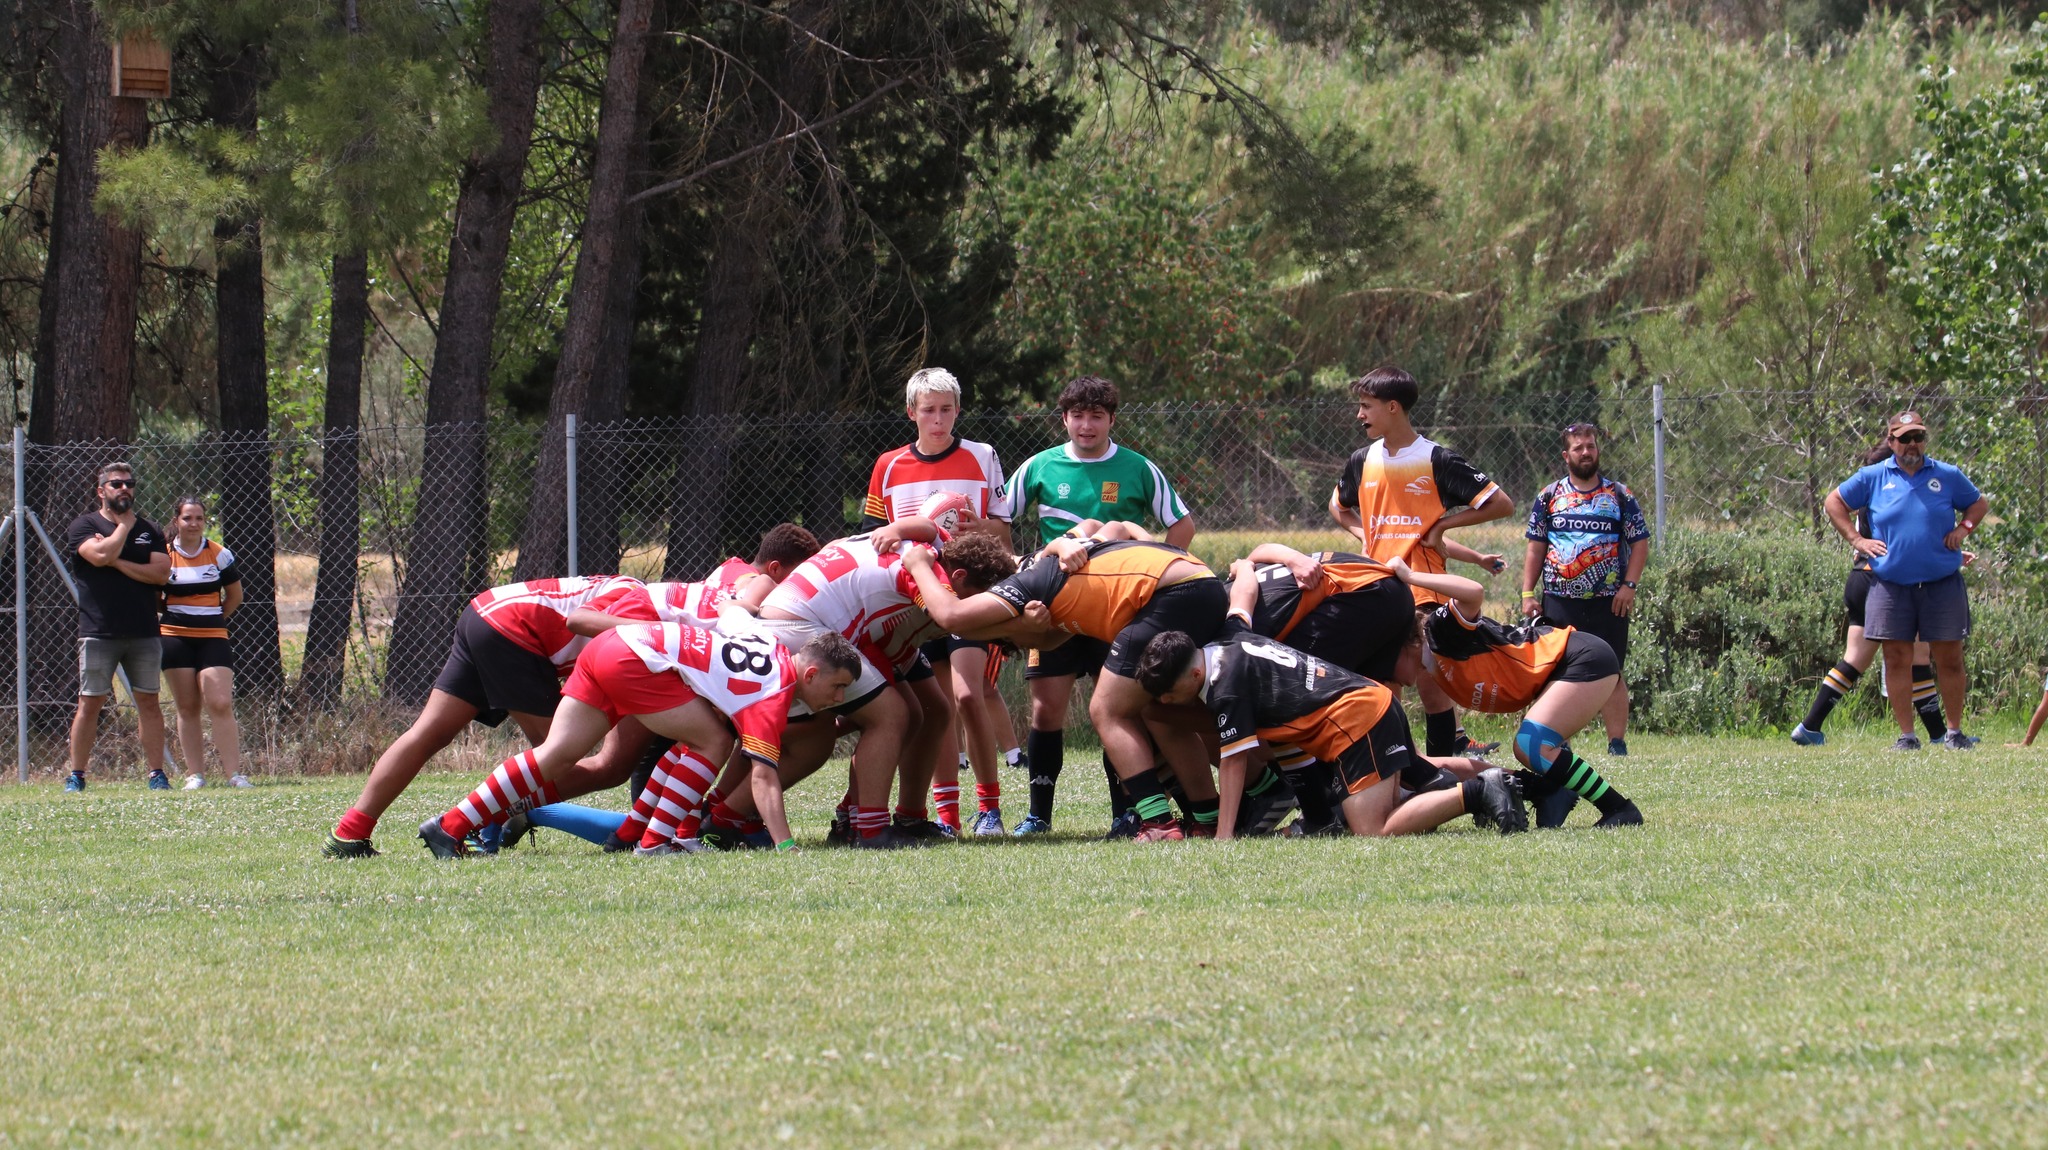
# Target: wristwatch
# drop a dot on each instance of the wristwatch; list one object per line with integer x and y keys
{"x": 1629, "y": 583}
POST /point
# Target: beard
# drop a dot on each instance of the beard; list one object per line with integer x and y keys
{"x": 121, "y": 503}
{"x": 1583, "y": 470}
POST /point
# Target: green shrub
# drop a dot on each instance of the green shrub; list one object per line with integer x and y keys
{"x": 1734, "y": 630}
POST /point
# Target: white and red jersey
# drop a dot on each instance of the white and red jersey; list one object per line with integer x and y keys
{"x": 864, "y": 595}
{"x": 685, "y": 602}
{"x": 535, "y": 614}
{"x": 749, "y": 678}
{"x": 904, "y": 478}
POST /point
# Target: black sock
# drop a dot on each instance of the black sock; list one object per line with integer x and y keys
{"x": 1579, "y": 776}
{"x": 1839, "y": 681}
{"x": 1203, "y": 811}
{"x": 1048, "y": 751}
{"x": 1119, "y": 791}
{"x": 1927, "y": 700}
{"x": 1311, "y": 787}
{"x": 1440, "y": 733}
{"x": 1147, "y": 798}
{"x": 1472, "y": 792}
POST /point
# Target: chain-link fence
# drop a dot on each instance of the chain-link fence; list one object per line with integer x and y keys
{"x": 359, "y": 548}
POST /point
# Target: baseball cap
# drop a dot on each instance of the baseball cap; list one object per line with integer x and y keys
{"x": 1905, "y": 421}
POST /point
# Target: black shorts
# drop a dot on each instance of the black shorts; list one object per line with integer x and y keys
{"x": 940, "y": 650}
{"x": 1196, "y": 606}
{"x": 1383, "y": 753}
{"x": 1587, "y": 659}
{"x": 1856, "y": 592}
{"x": 496, "y": 675}
{"x": 920, "y": 668}
{"x": 1079, "y": 655}
{"x": 1592, "y": 617}
{"x": 1362, "y": 631}
{"x": 185, "y": 653}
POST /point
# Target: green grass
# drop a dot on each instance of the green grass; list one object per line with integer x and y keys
{"x": 1802, "y": 947}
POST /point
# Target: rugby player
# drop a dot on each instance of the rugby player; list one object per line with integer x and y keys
{"x": 1120, "y": 592}
{"x": 513, "y": 646}
{"x": 1264, "y": 693}
{"x": 1560, "y": 676}
{"x": 1397, "y": 496}
{"x": 694, "y": 686}
{"x": 1089, "y": 477}
{"x": 859, "y": 587}
{"x": 938, "y": 462}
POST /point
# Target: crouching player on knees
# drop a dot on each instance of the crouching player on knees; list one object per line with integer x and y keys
{"x": 1562, "y": 677}
{"x": 1264, "y": 693}
{"x": 693, "y": 686}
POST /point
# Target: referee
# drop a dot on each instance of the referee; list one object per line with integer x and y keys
{"x": 1588, "y": 545}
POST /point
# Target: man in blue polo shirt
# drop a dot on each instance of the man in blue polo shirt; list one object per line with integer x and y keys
{"x": 1916, "y": 554}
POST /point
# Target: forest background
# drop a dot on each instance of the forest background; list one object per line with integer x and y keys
{"x": 478, "y": 219}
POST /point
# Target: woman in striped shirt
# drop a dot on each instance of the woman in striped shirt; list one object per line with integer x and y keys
{"x": 199, "y": 661}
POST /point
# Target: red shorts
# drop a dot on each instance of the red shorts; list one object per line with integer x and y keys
{"x": 610, "y": 677}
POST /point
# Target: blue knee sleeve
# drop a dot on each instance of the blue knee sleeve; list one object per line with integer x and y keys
{"x": 587, "y": 823}
{"x": 1530, "y": 742}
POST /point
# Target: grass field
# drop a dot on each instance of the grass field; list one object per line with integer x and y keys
{"x": 1802, "y": 947}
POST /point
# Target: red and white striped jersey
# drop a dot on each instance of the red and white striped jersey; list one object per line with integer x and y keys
{"x": 687, "y": 602}
{"x": 535, "y": 614}
{"x": 749, "y": 678}
{"x": 864, "y": 595}
{"x": 904, "y": 478}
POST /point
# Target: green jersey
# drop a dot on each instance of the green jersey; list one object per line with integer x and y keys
{"x": 1122, "y": 486}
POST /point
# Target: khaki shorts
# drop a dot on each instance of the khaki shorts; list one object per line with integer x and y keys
{"x": 142, "y": 658}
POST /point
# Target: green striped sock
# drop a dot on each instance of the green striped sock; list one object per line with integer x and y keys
{"x": 1153, "y": 806}
{"x": 1581, "y": 778}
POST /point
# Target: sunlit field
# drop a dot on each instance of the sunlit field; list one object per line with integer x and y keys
{"x": 1840, "y": 944}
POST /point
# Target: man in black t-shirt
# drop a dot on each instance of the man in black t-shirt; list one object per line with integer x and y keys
{"x": 118, "y": 560}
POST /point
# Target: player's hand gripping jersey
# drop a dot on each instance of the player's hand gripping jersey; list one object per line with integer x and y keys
{"x": 694, "y": 603}
{"x": 1488, "y": 666}
{"x": 1282, "y": 604}
{"x": 535, "y": 614}
{"x": 1100, "y": 599}
{"x": 1262, "y": 691}
{"x": 864, "y": 595}
{"x": 749, "y": 678}
{"x": 1399, "y": 496}
{"x": 903, "y": 479}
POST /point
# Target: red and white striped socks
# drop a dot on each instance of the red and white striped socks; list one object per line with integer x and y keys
{"x": 677, "y": 788}
{"x": 988, "y": 797}
{"x": 870, "y": 821}
{"x": 947, "y": 800}
{"x": 515, "y": 786}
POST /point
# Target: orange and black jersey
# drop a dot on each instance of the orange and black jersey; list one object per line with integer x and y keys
{"x": 1488, "y": 666}
{"x": 1282, "y": 604}
{"x": 1103, "y": 597}
{"x": 1400, "y": 495}
{"x": 1263, "y": 691}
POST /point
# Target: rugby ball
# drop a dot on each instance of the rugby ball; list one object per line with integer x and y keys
{"x": 945, "y": 509}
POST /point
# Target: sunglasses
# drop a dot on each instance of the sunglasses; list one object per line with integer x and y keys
{"x": 1911, "y": 437}
{"x": 121, "y": 484}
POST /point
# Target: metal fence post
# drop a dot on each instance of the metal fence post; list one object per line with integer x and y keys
{"x": 20, "y": 608}
{"x": 569, "y": 495}
{"x": 1657, "y": 439}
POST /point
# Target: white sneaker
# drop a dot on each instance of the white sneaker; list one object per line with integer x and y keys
{"x": 194, "y": 782}
{"x": 692, "y": 846}
{"x": 240, "y": 781}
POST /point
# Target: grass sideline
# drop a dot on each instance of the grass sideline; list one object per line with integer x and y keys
{"x": 1802, "y": 947}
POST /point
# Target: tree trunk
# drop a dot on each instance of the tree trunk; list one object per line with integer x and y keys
{"x": 249, "y": 525}
{"x": 334, "y": 590}
{"x": 543, "y": 549}
{"x": 732, "y": 291}
{"x": 450, "y": 520}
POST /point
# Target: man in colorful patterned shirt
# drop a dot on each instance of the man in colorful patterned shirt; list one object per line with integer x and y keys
{"x": 1588, "y": 543}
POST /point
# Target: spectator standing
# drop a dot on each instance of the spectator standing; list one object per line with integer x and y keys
{"x": 1921, "y": 511}
{"x": 1588, "y": 545}
{"x": 118, "y": 560}
{"x": 204, "y": 591}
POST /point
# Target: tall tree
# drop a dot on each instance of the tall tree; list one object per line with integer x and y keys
{"x": 450, "y": 520}
{"x": 543, "y": 547}
{"x": 242, "y": 372}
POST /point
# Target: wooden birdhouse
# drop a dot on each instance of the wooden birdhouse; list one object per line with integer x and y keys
{"x": 142, "y": 67}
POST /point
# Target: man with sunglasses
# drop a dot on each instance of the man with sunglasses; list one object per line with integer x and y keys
{"x": 1921, "y": 511}
{"x": 119, "y": 560}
